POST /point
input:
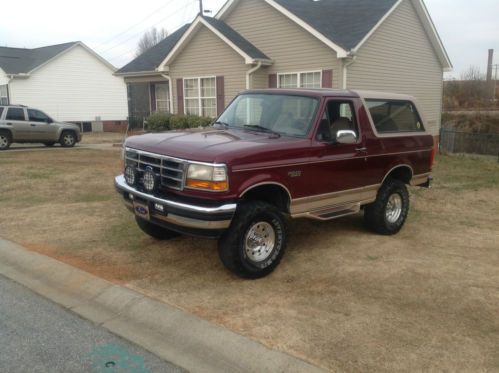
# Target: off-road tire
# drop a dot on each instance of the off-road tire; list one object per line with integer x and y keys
{"x": 49, "y": 144}
{"x": 231, "y": 246}
{"x": 375, "y": 214}
{"x": 5, "y": 140}
{"x": 155, "y": 231}
{"x": 68, "y": 139}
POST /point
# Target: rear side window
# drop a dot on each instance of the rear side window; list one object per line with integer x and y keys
{"x": 392, "y": 116}
{"x": 37, "y": 116}
{"x": 1, "y": 111}
{"x": 15, "y": 114}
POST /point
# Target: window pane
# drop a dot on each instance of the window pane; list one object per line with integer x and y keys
{"x": 191, "y": 88}
{"x": 192, "y": 106}
{"x": 288, "y": 81}
{"x": 4, "y": 101}
{"x": 37, "y": 116}
{"x": 162, "y": 92}
{"x": 209, "y": 107}
{"x": 208, "y": 87}
{"x": 310, "y": 80}
{"x": 15, "y": 114}
{"x": 394, "y": 116}
{"x": 3, "y": 90}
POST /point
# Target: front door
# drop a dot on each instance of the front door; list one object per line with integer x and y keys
{"x": 15, "y": 119}
{"x": 41, "y": 125}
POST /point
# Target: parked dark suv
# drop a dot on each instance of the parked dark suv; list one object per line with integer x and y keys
{"x": 23, "y": 124}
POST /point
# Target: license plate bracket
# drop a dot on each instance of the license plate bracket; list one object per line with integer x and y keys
{"x": 141, "y": 210}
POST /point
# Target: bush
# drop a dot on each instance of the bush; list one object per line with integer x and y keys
{"x": 160, "y": 122}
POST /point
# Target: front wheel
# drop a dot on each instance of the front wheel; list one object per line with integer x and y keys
{"x": 255, "y": 242}
{"x": 388, "y": 213}
{"x": 154, "y": 230}
{"x": 68, "y": 139}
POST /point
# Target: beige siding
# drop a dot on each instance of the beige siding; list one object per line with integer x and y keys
{"x": 207, "y": 55}
{"x": 399, "y": 58}
{"x": 290, "y": 47}
{"x": 260, "y": 78}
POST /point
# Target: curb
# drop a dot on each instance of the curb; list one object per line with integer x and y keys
{"x": 174, "y": 335}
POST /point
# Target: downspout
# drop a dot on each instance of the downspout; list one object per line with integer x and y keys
{"x": 346, "y": 63}
{"x": 170, "y": 88}
{"x": 251, "y": 71}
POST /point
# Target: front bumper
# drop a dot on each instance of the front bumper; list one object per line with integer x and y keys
{"x": 183, "y": 218}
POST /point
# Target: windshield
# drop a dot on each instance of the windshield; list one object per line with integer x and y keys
{"x": 283, "y": 114}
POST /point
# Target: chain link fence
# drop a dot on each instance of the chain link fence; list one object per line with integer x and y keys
{"x": 452, "y": 141}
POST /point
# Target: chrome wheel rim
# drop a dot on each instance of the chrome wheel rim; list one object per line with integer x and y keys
{"x": 393, "y": 208}
{"x": 259, "y": 241}
{"x": 4, "y": 141}
{"x": 68, "y": 140}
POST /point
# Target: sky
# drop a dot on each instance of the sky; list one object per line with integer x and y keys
{"x": 112, "y": 28}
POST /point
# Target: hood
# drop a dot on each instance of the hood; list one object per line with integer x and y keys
{"x": 213, "y": 145}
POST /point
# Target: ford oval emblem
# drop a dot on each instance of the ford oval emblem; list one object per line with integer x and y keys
{"x": 141, "y": 210}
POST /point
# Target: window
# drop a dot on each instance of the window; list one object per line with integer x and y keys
{"x": 338, "y": 116}
{"x": 285, "y": 114}
{"x": 4, "y": 94}
{"x": 390, "y": 116}
{"x": 162, "y": 97}
{"x": 15, "y": 114}
{"x": 38, "y": 116}
{"x": 200, "y": 96}
{"x": 300, "y": 80}
{"x": 1, "y": 111}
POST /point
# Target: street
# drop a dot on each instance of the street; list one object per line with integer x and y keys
{"x": 37, "y": 335}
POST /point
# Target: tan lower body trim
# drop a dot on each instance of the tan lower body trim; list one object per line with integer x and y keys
{"x": 303, "y": 207}
{"x": 419, "y": 179}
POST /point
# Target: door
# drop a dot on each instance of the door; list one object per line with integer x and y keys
{"x": 42, "y": 127}
{"x": 15, "y": 119}
{"x": 339, "y": 168}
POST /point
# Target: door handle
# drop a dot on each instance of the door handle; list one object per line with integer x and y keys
{"x": 9, "y": 124}
{"x": 361, "y": 150}
{"x": 33, "y": 125}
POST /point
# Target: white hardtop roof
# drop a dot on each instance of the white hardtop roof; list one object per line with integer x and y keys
{"x": 383, "y": 95}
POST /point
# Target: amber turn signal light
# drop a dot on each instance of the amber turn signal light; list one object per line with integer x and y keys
{"x": 216, "y": 186}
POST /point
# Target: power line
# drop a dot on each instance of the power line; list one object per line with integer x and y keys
{"x": 142, "y": 31}
{"x": 162, "y": 20}
{"x": 135, "y": 25}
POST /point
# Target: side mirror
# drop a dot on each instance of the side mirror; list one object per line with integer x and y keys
{"x": 346, "y": 137}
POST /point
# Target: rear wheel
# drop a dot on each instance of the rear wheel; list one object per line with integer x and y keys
{"x": 68, "y": 139}
{"x": 5, "y": 140}
{"x": 155, "y": 231}
{"x": 255, "y": 242}
{"x": 388, "y": 213}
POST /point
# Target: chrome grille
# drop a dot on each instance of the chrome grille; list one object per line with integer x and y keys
{"x": 170, "y": 170}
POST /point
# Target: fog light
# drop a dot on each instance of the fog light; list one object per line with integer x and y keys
{"x": 130, "y": 175}
{"x": 159, "y": 207}
{"x": 149, "y": 180}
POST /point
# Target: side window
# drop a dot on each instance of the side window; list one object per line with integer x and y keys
{"x": 338, "y": 116}
{"x": 392, "y": 116}
{"x": 37, "y": 116}
{"x": 1, "y": 112}
{"x": 14, "y": 113}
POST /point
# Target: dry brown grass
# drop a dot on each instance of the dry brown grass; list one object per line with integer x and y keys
{"x": 343, "y": 298}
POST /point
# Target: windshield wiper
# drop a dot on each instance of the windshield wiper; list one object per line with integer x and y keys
{"x": 261, "y": 128}
{"x": 223, "y": 124}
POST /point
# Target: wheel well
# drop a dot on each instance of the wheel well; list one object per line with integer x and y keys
{"x": 7, "y": 132}
{"x": 271, "y": 193}
{"x": 402, "y": 173}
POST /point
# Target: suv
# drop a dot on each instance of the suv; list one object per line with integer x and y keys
{"x": 23, "y": 124}
{"x": 278, "y": 154}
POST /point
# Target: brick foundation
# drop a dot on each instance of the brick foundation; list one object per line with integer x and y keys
{"x": 119, "y": 126}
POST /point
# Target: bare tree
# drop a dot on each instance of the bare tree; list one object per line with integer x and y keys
{"x": 150, "y": 39}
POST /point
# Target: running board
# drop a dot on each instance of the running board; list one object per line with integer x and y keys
{"x": 334, "y": 212}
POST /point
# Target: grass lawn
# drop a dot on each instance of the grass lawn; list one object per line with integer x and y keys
{"x": 343, "y": 298}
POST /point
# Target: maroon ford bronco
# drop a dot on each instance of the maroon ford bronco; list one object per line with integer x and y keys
{"x": 279, "y": 154}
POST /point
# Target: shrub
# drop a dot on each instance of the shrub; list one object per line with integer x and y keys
{"x": 159, "y": 122}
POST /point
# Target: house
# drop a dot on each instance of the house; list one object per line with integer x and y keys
{"x": 70, "y": 82}
{"x": 384, "y": 45}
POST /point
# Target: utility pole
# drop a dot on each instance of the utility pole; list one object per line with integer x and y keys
{"x": 201, "y": 7}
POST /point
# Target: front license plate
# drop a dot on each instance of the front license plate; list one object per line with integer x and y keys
{"x": 142, "y": 211}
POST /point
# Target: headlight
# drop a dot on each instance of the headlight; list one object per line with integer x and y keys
{"x": 130, "y": 175}
{"x": 211, "y": 178}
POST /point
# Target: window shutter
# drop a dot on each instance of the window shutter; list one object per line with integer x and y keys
{"x": 327, "y": 78}
{"x": 152, "y": 95}
{"x": 180, "y": 96}
{"x": 220, "y": 94}
{"x": 272, "y": 80}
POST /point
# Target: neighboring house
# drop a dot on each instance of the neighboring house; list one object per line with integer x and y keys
{"x": 70, "y": 82}
{"x": 384, "y": 45}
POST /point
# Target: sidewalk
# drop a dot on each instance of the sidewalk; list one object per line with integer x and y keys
{"x": 183, "y": 339}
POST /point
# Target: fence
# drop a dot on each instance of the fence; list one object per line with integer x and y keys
{"x": 466, "y": 142}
